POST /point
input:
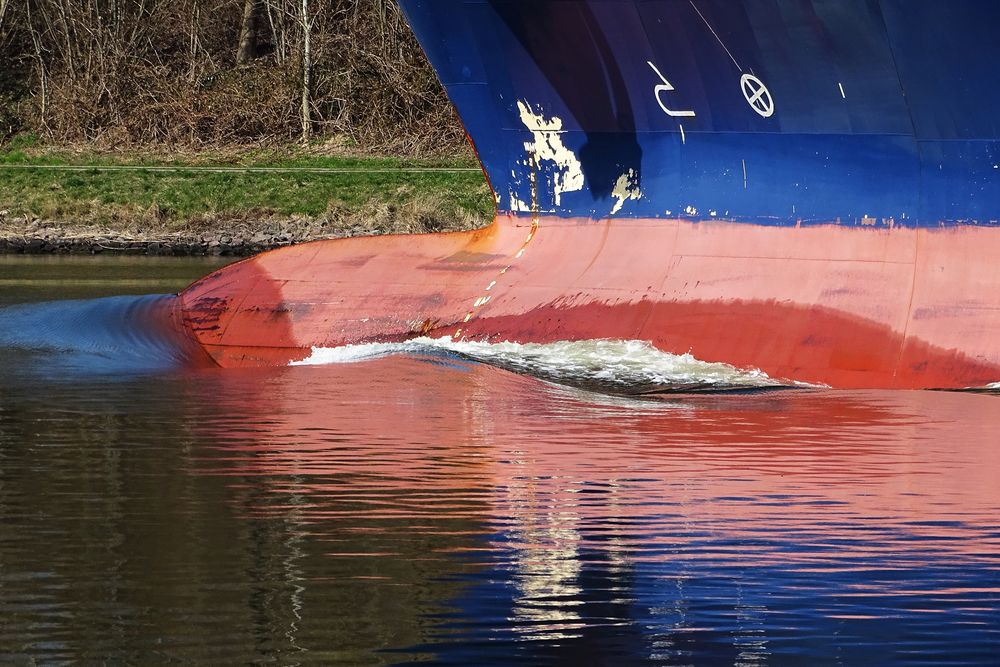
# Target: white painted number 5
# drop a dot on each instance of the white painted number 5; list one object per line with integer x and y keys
{"x": 664, "y": 88}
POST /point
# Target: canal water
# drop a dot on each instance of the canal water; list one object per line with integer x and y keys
{"x": 467, "y": 506}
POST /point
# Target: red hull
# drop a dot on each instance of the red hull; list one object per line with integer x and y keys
{"x": 847, "y": 307}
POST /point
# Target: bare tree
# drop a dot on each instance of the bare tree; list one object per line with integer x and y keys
{"x": 3, "y": 10}
{"x": 43, "y": 80}
{"x": 306, "y": 71}
{"x": 277, "y": 17}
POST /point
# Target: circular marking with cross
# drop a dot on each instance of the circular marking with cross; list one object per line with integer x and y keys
{"x": 758, "y": 96}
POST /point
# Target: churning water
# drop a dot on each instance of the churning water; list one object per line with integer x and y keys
{"x": 626, "y": 367}
{"x": 428, "y": 503}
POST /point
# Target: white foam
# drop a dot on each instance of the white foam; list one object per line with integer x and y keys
{"x": 614, "y": 363}
{"x": 347, "y": 354}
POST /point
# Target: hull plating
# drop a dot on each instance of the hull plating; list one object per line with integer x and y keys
{"x": 821, "y": 304}
{"x": 805, "y": 187}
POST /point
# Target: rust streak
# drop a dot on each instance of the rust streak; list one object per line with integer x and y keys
{"x": 486, "y": 297}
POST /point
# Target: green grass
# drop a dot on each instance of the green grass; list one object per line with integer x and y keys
{"x": 175, "y": 198}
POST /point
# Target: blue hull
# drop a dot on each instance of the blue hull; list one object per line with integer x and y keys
{"x": 784, "y": 112}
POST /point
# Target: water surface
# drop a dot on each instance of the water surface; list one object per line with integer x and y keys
{"x": 423, "y": 506}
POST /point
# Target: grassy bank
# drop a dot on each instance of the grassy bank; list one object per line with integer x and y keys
{"x": 149, "y": 195}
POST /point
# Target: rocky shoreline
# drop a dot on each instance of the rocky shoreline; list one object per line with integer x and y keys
{"x": 179, "y": 245}
{"x": 233, "y": 238}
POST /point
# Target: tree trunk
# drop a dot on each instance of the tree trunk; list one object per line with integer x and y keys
{"x": 3, "y": 10}
{"x": 247, "y": 50}
{"x": 306, "y": 72}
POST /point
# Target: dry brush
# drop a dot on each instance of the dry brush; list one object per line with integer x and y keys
{"x": 219, "y": 72}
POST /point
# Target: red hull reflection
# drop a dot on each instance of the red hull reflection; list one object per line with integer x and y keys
{"x": 411, "y": 439}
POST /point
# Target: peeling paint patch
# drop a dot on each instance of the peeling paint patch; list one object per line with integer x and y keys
{"x": 517, "y": 205}
{"x": 548, "y": 146}
{"x": 626, "y": 188}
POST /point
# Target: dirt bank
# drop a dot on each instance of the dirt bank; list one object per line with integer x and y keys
{"x": 212, "y": 235}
